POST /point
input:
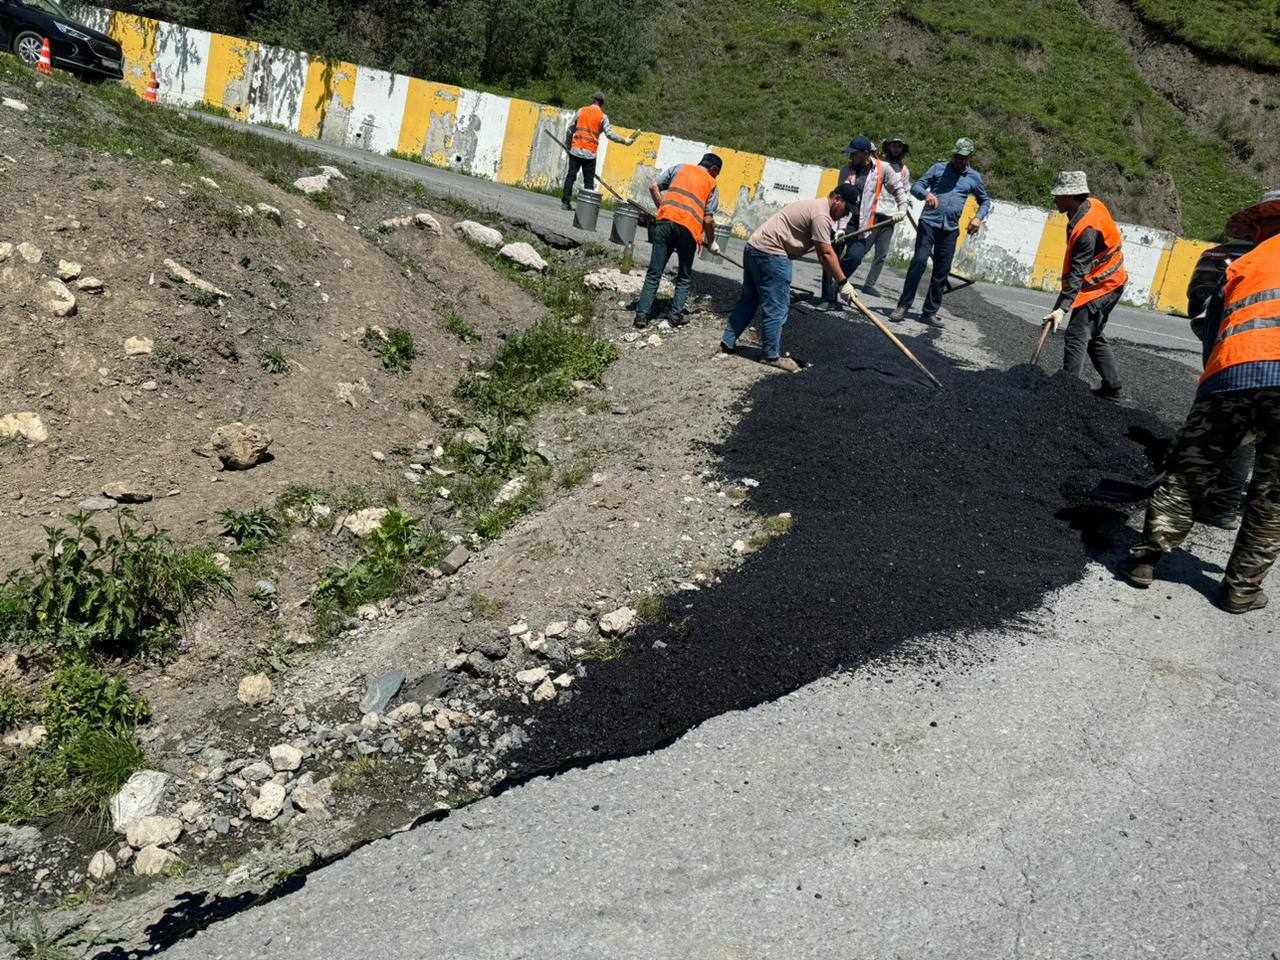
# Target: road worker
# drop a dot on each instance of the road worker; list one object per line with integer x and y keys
{"x": 584, "y": 143}
{"x": 888, "y": 207}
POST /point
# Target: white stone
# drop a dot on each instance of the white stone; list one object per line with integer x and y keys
{"x": 30, "y": 252}
{"x": 153, "y": 832}
{"x": 138, "y": 346}
{"x": 240, "y": 447}
{"x": 618, "y": 622}
{"x": 14, "y": 104}
{"x": 270, "y": 802}
{"x": 557, "y": 629}
{"x": 126, "y": 491}
{"x": 27, "y": 425}
{"x": 510, "y": 490}
{"x": 318, "y": 183}
{"x": 254, "y": 689}
{"x": 654, "y": 340}
{"x": 211, "y": 184}
{"x": 6, "y": 251}
{"x": 102, "y": 866}
{"x": 425, "y": 221}
{"x": 628, "y": 284}
{"x": 333, "y": 173}
{"x": 524, "y": 256}
{"x": 154, "y": 861}
{"x": 139, "y": 797}
{"x": 364, "y": 522}
{"x": 26, "y": 737}
{"x": 532, "y": 676}
{"x": 479, "y": 234}
{"x": 396, "y": 223}
{"x": 564, "y": 680}
{"x": 89, "y": 285}
{"x": 546, "y": 690}
{"x": 178, "y": 272}
{"x": 222, "y": 562}
{"x": 68, "y": 270}
{"x": 740, "y": 546}
{"x": 271, "y": 213}
{"x": 406, "y": 711}
{"x": 63, "y": 303}
{"x": 285, "y": 756}
{"x": 313, "y": 796}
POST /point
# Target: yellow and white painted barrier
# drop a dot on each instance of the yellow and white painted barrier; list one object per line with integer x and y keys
{"x": 501, "y": 139}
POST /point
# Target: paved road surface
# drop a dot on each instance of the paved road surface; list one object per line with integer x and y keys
{"x": 1098, "y": 783}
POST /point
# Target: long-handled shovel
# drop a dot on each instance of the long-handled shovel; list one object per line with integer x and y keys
{"x": 644, "y": 211}
{"x": 862, "y": 308}
{"x": 961, "y": 281}
{"x": 1044, "y": 335}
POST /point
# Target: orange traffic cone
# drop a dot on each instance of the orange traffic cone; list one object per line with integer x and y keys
{"x": 46, "y": 63}
{"x": 153, "y": 88}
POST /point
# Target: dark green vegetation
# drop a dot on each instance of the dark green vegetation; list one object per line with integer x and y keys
{"x": 1039, "y": 85}
{"x": 1247, "y": 30}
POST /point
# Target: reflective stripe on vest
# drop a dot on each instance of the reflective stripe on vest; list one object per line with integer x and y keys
{"x": 685, "y": 201}
{"x": 1249, "y": 331}
{"x": 586, "y": 129}
{"x": 1106, "y": 273}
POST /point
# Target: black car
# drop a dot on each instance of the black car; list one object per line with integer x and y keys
{"x": 1208, "y": 273}
{"x": 25, "y": 24}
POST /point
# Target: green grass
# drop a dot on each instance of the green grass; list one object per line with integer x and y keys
{"x": 1247, "y": 30}
{"x": 356, "y": 772}
{"x": 34, "y": 941}
{"x": 274, "y": 361}
{"x": 395, "y": 349}
{"x": 252, "y": 530}
{"x": 174, "y": 361}
{"x": 458, "y": 326}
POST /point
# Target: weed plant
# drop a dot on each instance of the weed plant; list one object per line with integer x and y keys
{"x": 252, "y": 530}
{"x": 396, "y": 350}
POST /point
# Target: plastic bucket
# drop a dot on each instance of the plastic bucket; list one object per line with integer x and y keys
{"x": 625, "y": 220}
{"x": 587, "y": 210}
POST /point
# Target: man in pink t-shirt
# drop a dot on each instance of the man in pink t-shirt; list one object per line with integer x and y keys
{"x": 766, "y": 268}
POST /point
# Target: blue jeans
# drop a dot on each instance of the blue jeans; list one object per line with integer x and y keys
{"x": 850, "y": 253}
{"x": 940, "y": 244}
{"x": 668, "y": 237}
{"x": 766, "y": 286}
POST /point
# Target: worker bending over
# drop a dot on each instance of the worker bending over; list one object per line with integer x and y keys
{"x": 1238, "y": 397}
{"x": 1093, "y": 278}
{"x": 686, "y": 198}
{"x": 584, "y": 144}
{"x": 766, "y": 268}
{"x": 871, "y": 177}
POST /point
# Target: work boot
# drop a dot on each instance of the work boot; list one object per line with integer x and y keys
{"x": 680, "y": 320}
{"x": 784, "y": 363}
{"x": 566, "y": 205}
{"x": 1237, "y": 601}
{"x": 871, "y": 291}
{"x": 725, "y": 348}
{"x": 899, "y": 314}
{"x": 640, "y": 322}
{"x": 931, "y": 320}
{"x": 1109, "y": 393}
{"x": 1138, "y": 572}
{"x": 1222, "y": 519}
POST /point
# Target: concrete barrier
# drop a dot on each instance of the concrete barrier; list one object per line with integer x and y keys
{"x": 503, "y": 139}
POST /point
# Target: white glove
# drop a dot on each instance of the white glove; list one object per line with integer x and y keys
{"x": 631, "y": 139}
{"x": 714, "y": 248}
{"x": 1055, "y": 318}
{"x": 847, "y": 293}
{"x": 899, "y": 217}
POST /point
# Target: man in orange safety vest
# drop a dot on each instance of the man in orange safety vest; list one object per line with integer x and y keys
{"x": 1093, "y": 278}
{"x": 588, "y": 126}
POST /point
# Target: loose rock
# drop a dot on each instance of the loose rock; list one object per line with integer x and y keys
{"x": 270, "y": 802}
{"x": 102, "y": 866}
{"x": 285, "y": 756}
{"x": 254, "y": 689}
{"x": 124, "y": 491}
{"x": 63, "y": 303}
{"x": 69, "y": 270}
{"x": 524, "y": 256}
{"x": 30, "y": 253}
{"x": 178, "y": 272}
{"x": 479, "y": 234}
{"x": 454, "y": 560}
{"x": 139, "y": 797}
{"x": 138, "y": 346}
{"x": 153, "y": 831}
{"x": 154, "y": 861}
{"x": 27, "y": 425}
{"x": 240, "y": 447}
{"x": 425, "y": 221}
{"x": 364, "y": 522}
{"x": 532, "y": 676}
{"x": 618, "y": 622}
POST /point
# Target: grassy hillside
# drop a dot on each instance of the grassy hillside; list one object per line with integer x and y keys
{"x": 1247, "y": 30}
{"x": 1036, "y": 83}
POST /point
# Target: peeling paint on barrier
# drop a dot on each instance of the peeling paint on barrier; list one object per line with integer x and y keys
{"x": 181, "y": 63}
{"x": 326, "y": 100}
{"x": 229, "y": 74}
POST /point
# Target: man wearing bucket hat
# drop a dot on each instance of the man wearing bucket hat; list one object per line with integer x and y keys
{"x": 766, "y": 269}
{"x": 1093, "y": 278}
{"x": 686, "y": 197}
{"x": 1238, "y": 397}
{"x": 584, "y": 143}
{"x": 945, "y": 189}
{"x": 888, "y": 207}
{"x": 873, "y": 179}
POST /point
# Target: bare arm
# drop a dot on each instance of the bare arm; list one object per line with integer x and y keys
{"x": 655, "y": 194}
{"x": 830, "y": 262}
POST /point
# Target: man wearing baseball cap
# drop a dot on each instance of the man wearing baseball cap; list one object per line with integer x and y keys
{"x": 1238, "y": 396}
{"x": 1093, "y": 278}
{"x": 766, "y": 268}
{"x": 945, "y": 189}
{"x": 589, "y": 125}
{"x": 873, "y": 179}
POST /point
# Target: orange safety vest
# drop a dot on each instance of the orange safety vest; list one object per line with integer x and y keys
{"x": 1107, "y": 272}
{"x": 1249, "y": 331}
{"x": 586, "y": 129}
{"x": 685, "y": 201}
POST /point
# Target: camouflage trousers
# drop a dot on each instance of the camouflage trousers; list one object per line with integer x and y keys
{"x": 1215, "y": 428}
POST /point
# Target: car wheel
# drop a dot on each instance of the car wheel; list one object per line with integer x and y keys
{"x": 27, "y": 46}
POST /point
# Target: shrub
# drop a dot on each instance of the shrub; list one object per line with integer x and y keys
{"x": 274, "y": 361}
{"x": 81, "y": 699}
{"x": 252, "y": 530}
{"x": 395, "y": 349}
{"x": 455, "y": 324}
{"x": 106, "y": 593}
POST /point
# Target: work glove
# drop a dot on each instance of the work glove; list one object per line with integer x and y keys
{"x": 714, "y": 248}
{"x": 899, "y": 217}
{"x": 632, "y": 139}
{"x": 1056, "y": 317}
{"x": 847, "y": 293}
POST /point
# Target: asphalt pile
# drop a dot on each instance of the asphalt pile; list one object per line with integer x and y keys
{"x": 918, "y": 513}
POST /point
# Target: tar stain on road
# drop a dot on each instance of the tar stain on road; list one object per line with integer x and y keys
{"x": 918, "y": 513}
